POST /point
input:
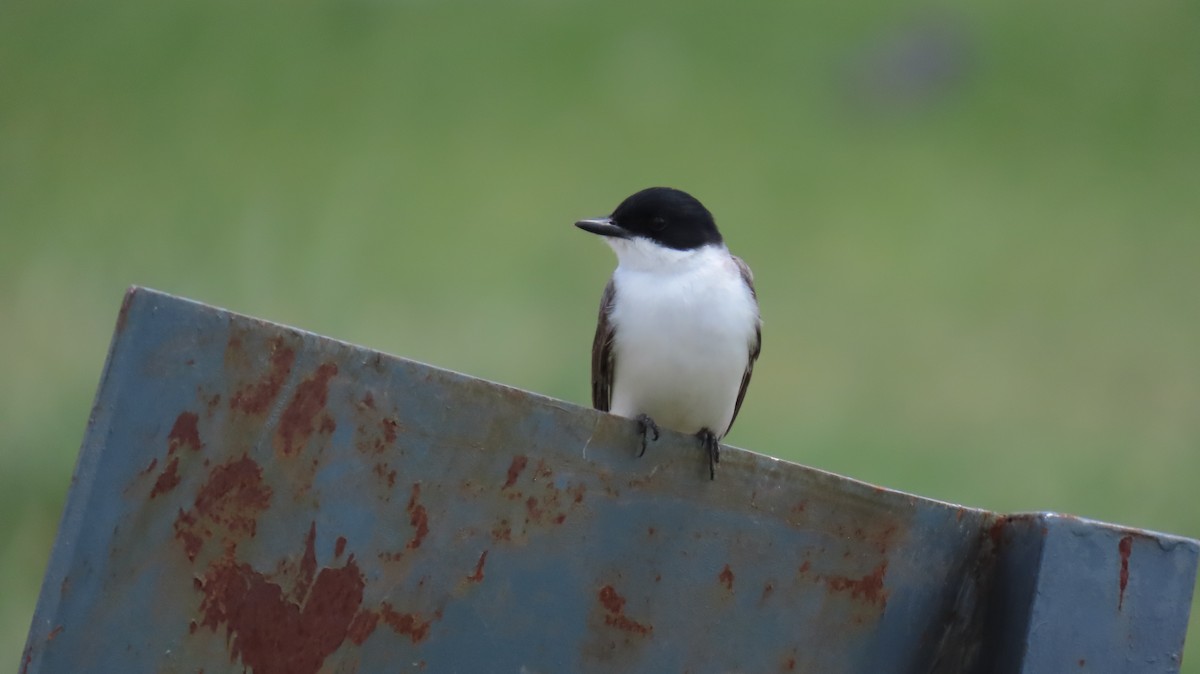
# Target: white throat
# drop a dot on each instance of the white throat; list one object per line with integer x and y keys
{"x": 643, "y": 255}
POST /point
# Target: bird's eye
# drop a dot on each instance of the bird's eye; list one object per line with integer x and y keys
{"x": 658, "y": 224}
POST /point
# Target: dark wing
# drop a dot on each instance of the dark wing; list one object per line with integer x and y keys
{"x": 602, "y": 353}
{"x": 755, "y": 348}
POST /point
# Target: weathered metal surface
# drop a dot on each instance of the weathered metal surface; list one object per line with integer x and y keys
{"x": 250, "y": 496}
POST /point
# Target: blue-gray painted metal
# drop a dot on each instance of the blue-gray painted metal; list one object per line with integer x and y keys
{"x": 250, "y": 496}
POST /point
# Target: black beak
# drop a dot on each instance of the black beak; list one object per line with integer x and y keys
{"x": 603, "y": 227}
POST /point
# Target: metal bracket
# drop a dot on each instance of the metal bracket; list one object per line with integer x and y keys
{"x": 251, "y": 495}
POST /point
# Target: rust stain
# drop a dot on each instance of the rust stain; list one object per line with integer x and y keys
{"x": 150, "y": 468}
{"x": 54, "y": 632}
{"x": 184, "y": 433}
{"x": 308, "y": 564}
{"x": 767, "y": 590}
{"x": 270, "y": 633}
{"x": 192, "y": 543}
{"x": 805, "y": 566}
{"x": 996, "y": 532}
{"x": 796, "y": 513}
{"x": 477, "y": 577}
{"x": 1125, "y": 547}
{"x": 256, "y": 398}
{"x": 789, "y": 665}
{"x": 549, "y": 507}
{"x": 340, "y": 546}
{"x": 375, "y": 434}
{"x": 386, "y": 472}
{"x": 123, "y": 312}
{"x": 883, "y": 540}
{"x": 614, "y": 604}
{"x": 168, "y": 480}
{"x": 234, "y": 493}
{"x": 502, "y": 531}
{"x": 410, "y": 624}
{"x": 417, "y": 517}
{"x": 390, "y": 428}
{"x": 726, "y": 578}
{"x": 514, "y": 470}
{"x": 869, "y": 588}
{"x": 535, "y": 512}
{"x": 230, "y": 499}
{"x": 297, "y": 422}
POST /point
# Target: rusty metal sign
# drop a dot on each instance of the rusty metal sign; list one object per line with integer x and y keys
{"x": 254, "y": 497}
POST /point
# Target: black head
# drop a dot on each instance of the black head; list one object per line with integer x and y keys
{"x": 668, "y": 216}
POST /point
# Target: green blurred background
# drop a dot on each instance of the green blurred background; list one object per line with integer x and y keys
{"x": 974, "y": 229}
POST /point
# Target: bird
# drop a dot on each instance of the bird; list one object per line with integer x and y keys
{"x": 679, "y": 329}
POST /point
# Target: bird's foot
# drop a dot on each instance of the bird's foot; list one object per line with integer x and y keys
{"x": 648, "y": 427}
{"x": 712, "y": 448}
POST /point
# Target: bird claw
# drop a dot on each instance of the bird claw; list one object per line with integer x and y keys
{"x": 713, "y": 448}
{"x": 647, "y": 426}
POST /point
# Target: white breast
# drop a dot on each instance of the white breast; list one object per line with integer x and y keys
{"x": 685, "y": 322}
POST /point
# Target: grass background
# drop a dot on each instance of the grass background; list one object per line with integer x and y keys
{"x": 974, "y": 229}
